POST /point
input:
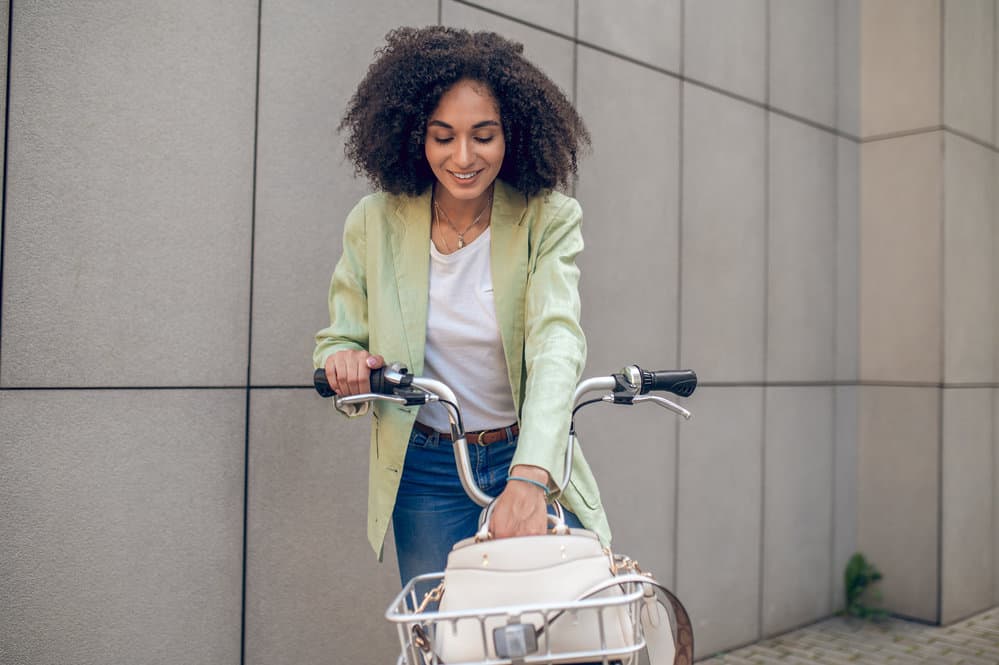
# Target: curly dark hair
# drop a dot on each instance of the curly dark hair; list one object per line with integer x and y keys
{"x": 386, "y": 119}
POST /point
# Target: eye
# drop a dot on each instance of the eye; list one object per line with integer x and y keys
{"x": 483, "y": 139}
{"x": 443, "y": 141}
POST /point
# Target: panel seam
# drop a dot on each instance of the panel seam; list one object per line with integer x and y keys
{"x": 942, "y": 212}
{"x": 679, "y": 295}
{"x": 249, "y": 341}
{"x": 767, "y": 180}
{"x": 6, "y": 153}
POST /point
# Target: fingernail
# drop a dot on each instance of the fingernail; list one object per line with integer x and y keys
{"x": 371, "y": 361}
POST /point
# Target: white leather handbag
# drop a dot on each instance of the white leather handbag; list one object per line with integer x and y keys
{"x": 559, "y": 596}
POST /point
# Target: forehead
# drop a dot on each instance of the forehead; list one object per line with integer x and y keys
{"x": 466, "y": 100}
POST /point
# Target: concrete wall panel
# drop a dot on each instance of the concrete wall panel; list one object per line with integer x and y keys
{"x": 555, "y": 15}
{"x": 969, "y": 59}
{"x": 803, "y": 58}
{"x": 968, "y": 291}
{"x": 995, "y": 84}
{"x": 797, "y": 495}
{"x": 847, "y": 260}
{"x": 722, "y": 237}
{"x": 312, "y": 57}
{"x": 632, "y": 451}
{"x": 629, "y": 290}
{"x": 719, "y": 517}
{"x": 900, "y": 65}
{"x": 848, "y": 66}
{"x": 898, "y": 494}
{"x": 129, "y": 194}
{"x": 122, "y": 516}
{"x": 628, "y": 189}
{"x": 553, "y": 55}
{"x": 724, "y": 45}
{"x": 844, "y": 489}
{"x": 801, "y": 291}
{"x": 968, "y": 482}
{"x": 315, "y": 592}
{"x": 995, "y": 496}
{"x": 646, "y": 30}
{"x": 900, "y": 205}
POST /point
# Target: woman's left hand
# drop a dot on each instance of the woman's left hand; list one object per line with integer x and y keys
{"x": 521, "y": 509}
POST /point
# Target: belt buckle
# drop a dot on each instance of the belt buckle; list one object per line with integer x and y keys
{"x": 480, "y": 441}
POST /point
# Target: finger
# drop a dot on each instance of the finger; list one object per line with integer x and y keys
{"x": 375, "y": 362}
{"x": 350, "y": 376}
{"x": 330, "y": 368}
{"x": 360, "y": 381}
{"x": 364, "y": 373}
{"x": 342, "y": 371}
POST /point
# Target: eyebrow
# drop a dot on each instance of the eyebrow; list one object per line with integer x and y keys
{"x": 478, "y": 125}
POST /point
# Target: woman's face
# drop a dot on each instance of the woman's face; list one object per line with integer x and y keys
{"x": 465, "y": 144}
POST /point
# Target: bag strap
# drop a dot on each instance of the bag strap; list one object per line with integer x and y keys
{"x": 655, "y": 630}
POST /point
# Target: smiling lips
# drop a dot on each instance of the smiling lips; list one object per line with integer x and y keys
{"x": 465, "y": 176}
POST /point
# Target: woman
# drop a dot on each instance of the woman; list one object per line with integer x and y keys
{"x": 462, "y": 267}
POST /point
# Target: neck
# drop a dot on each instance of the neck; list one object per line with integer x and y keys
{"x": 461, "y": 208}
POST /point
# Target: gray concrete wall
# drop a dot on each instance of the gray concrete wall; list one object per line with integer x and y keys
{"x": 801, "y": 193}
{"x": 927, "y": 314}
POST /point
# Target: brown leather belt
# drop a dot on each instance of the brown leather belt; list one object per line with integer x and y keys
{"x": 482, "y": 438}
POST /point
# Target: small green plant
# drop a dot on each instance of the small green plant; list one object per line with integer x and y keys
{"x": 859, "y": 577}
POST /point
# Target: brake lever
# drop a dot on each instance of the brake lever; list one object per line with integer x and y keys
{"x": 361, "y": 398}
{"x": 655, "y": 399}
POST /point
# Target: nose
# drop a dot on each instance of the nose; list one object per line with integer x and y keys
{"x": 465, "y": 153}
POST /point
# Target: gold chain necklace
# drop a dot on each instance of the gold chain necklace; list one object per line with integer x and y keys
{"x": 440, "y": 232}
{"x": 460, "y": 234}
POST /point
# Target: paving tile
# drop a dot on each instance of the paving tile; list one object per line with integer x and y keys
{"x": 839, "y": 641}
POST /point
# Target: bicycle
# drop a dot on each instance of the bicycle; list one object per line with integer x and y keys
{"x": 522, "y": 631}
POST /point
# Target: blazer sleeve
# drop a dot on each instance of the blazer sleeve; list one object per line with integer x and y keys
{"x": 554, "y": 344}
{"x": 348, "y": 300}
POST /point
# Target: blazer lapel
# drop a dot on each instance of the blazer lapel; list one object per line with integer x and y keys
{"x": 411, "y": 255}
{"x": 509, "y": 259}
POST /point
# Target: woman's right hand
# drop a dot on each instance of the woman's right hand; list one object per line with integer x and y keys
{"x": 348, "y": 371}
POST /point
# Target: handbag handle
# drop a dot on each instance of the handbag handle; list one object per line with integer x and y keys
{"x": 556, "y": 522}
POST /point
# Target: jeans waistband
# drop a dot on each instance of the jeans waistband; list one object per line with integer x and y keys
{"x": 480, "y": 438}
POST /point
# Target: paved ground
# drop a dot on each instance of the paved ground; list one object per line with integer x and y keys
{"x": 839, "y": 641}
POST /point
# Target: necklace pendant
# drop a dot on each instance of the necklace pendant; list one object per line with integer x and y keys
{"x": 461, "y": 242}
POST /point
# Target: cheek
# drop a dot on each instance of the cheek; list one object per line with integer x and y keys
{"x": 498, "y": 154}
{"x": 433, "y": 154}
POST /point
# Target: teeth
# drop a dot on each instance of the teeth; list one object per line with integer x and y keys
{"x": 463, "y": 176}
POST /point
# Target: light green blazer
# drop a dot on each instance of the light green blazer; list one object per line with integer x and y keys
{"x": 378, "y": 301}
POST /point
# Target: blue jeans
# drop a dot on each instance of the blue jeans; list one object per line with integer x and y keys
{"x": 432, "y": 511}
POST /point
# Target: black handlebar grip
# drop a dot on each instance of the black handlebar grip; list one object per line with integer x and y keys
{"x": 322, "y": 385}
{"x": 377, "y": 379}
{"x": 680, "y": 382}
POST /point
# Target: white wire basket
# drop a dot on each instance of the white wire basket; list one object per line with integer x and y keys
{"x": 525, "y": 634}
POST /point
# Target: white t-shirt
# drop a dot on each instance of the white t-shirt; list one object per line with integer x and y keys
{"x": 464, "y": 348}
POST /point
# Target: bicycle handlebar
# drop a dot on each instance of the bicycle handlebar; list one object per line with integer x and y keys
{"x": 629, "y": 386}
{"x": 633, "y": 379}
